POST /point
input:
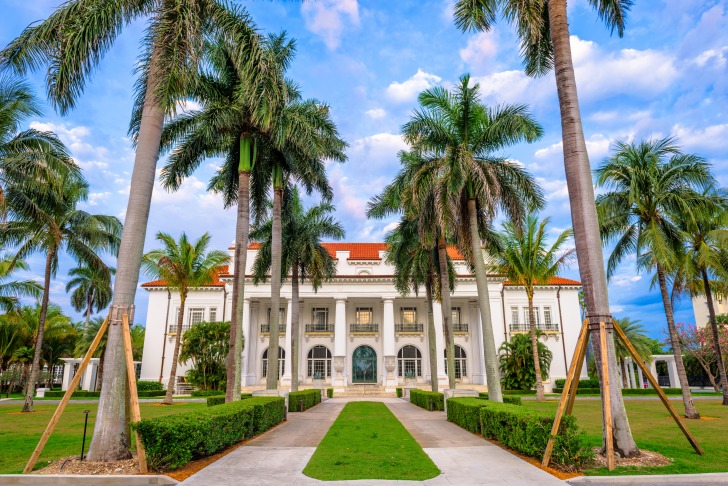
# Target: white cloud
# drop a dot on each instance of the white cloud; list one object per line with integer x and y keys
{"x": 326, "y": 18}
{"x": 185, "y": 106}
{"x": 619, "y": 116}
{"x": 554, "y": 189}
{"x": 480, "y": 50}
{"x": 515, "y": 87}
{"x": 625, "y": 280}
{"x": 597, "y": 146}
{"x": 409, "y": 89}
{"x": 377, "y": 149}
{"x": 716, "y": 57}
{"x": 711, "y": 137}
{"x": 376, "y": 113}
{"x": 95, "y": 197}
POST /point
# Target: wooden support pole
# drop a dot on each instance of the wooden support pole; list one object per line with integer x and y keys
{"x": 678, "y": 420}
{"x": 133, "y": 396}
{"x": 579, "y": 363}
{"x": 572, "y": 380}
{"x": 66, "y": 397}
{"x": 608, "y": 425}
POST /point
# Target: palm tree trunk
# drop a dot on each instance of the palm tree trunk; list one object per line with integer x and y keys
{"x": 110, "y": 440}
{"x": 716, "y": 337}
{"x": 584, "y": 216}
{"x": 446, "y": 310}
{"x": 100, "y": 371}
{"x": 431, "y": 337}
{"x": 690, "y": 411}
{"x": 534, "y": 349}
{"x": 89, "y": 303}
{"x": 175, "y": 354}
{"x": 271, "y": 382}
{"x": 294, "y": 327}
{"x": 486, "y": 321}
{"x": 242, "y": 230}
{"x": 33, "y": 375}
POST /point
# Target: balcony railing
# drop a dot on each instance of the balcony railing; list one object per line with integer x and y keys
{"x": 319, "y": 327}
{"x": 372, "y": 328}
{"x": 409, "y": 327}
{"x": 174, "y": 327}
{"x": 523, "y": 327}
{"x": 265, "y": 328}
{"x": 460, "y": 327}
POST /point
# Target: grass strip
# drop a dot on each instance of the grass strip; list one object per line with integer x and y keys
{"x": 368, "y": 442}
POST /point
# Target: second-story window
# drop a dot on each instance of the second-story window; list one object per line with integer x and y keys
{"x": 514, "y": 315}
{"x": 536, "y": 316}
{"x": 364, "y": 315}
{"x": 456, "y": 315}
{"x": 213, "y": 314}
{"x": 320, "y": 316}
{"x": 408, "y": 315}
{"x": 281, "y": 316}
{"x": 547, "y": 316}
{"x": 196, "y": 315}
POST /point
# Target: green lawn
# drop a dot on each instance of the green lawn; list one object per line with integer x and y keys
{"x": 368, "y": 442}
{"x": 654, "y": 430}
{"x": 20, "y": 432}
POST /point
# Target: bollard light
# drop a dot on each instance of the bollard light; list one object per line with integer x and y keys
{"x": 85, "y": 425}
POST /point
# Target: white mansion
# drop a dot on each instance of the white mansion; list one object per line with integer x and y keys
{"x": 357, "y": 329}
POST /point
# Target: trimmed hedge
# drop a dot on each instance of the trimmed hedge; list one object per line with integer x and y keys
{"x": 519, "y": 392}
{"x": 303, "y": 400}
{"x": 151, "y": 393}
{"x": 77, "y": 393}
{"x": 399, "y": 392}
{"x": 588, "y": 383}
{"x": 330, "y": 393}
{"x": 522, "y": 429}
{"x": 207, "y": 393}
{"x": 174, "y": 440}
{"x": 148, "y": 385}
{"x": 506, "y": 398}
{"x": 423, "y": 398}
{"x": 220, "y": 399}
{"x": 625, "y": 391}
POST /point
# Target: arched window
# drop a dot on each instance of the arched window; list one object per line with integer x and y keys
{"x": 319, "y": 362}
{"x": 461, "y": 368}
{"x": 409, "y": 362}
{"x": 281, "y": 362}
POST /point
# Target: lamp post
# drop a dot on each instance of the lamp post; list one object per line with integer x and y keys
{"x": 85, "y": 425}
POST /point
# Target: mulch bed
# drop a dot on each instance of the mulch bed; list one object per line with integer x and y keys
{"x": 645, "y": 459}
{"x": 71, "y": 465}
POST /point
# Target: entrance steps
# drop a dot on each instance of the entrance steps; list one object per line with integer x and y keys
{"x": 365, "y": 391}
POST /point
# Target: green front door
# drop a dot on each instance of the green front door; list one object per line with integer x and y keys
{"x": 364, "y": 365}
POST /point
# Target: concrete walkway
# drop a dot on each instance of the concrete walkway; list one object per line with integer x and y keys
{"x": 279, "y": 456}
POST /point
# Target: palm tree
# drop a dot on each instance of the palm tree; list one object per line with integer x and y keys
{"x": 48, "y": 222}
{"x": 11, "y": 291}
{"x": 302, "y": 254}
{"x": 636, "y": 335}
{"x": 416, "y": 266}
{"x": 527, "y": 261}
{"x": 228, "y": 125}
{"x": 543, "y": 31}
{"x": 705, "y": 235}
{"x": 183, "y": 265}
{"x": 648, "y": 184}
{"x": 459, "y": 135}
{"x": 71, "y": 43}
{"x": 90, "y": 288}
{"x": 29, "y": 155}
{"x": 88, "y": 334}
{"x": 516, "y": 361}
{"x": 414, "y": 197}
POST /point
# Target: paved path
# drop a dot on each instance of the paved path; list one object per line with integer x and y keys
{"x": 278, "y": 456}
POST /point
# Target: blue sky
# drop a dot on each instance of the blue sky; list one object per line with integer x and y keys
{"x": 369, "y": 59}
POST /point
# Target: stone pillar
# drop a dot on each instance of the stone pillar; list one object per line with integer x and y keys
{"x": 640, "y": 378}
{"x": 475, "y": 330}
{"x": 653, "y": 370}
{"x": 250, "y": 347}
{"x": 630, "y": 370}
{"x": 245, "y": 359}
{"x": 67, "y": 374}
{"x": 390, "y": 380}
{"x": 340, "y": 345}
{"x": 672, "y": 373}
{"x": 286, "y": 378}
{"x": 439, "y": 345}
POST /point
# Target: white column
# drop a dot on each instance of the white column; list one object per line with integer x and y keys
{"x": 653, "y": 370}
{"x": 640, "y": 378}
{"x": 439, "y": 345}
{"x": 672, "y": 373}
{"x": 67, "y": 375}
{"x": 630, "y": 370}
{"x": 245, "y": 360}
{"x": 340, "y": 345}
{"x": 390, "y": 381}
{"x": 475, "y": 330}
{"x": 286, "y": 378}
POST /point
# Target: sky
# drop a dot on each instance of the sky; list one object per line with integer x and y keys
{"x": 668, "y": 76}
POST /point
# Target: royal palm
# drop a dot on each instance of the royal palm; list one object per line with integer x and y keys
{"x": 458, "y": 135}
{"x": 527, "y": 260}
{"x": 648, "y": 184}
{"x": 48, "y": 222}
{"x": 543, "y": 31}
{"x": 302, "y": 256}
{"x": 70, "y": 44}
{"x": 90, "y": 289}
{"x": 183, "y": 265}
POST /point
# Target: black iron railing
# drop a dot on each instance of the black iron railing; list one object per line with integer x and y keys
{"x": 460, "y": 327}
{"x": 409, "y": 327}
{"x": 363, "y": 327}
{"x": 523, "y": 327}
{"x": 318, "y": 327}
{"x": 265, "y": 328}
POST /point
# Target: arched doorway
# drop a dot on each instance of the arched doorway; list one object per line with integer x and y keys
{"x": 364, "y": 365}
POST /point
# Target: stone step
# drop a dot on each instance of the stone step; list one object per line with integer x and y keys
{"x": 365, "y": 391}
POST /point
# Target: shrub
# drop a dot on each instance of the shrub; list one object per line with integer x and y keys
{"x": 151, "y": 393}
{"x": 516, "y": 361}
{"x": 174, "y": 440}
{"x": 521, "y": 429}
{"x": 303, "y": 400}
{"x": 399, "y": 392}
{"x": 330, "y": 392}
{"x": 519, "y": 392}
{"x": 147, "y": 385}
{"x": 513, "y": 400}
{"x": 423, "y": 399}
{"x": 207, "y": 393}
{"x": 560, "y": 382}
{"x": 77, "y": 393}
{"x": 220, "y": 399}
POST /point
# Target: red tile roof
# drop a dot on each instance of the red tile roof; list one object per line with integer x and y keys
{"x": 555, "y": 281}
{"x": 216, "y": 282}
{"x": 364, "y": 251}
